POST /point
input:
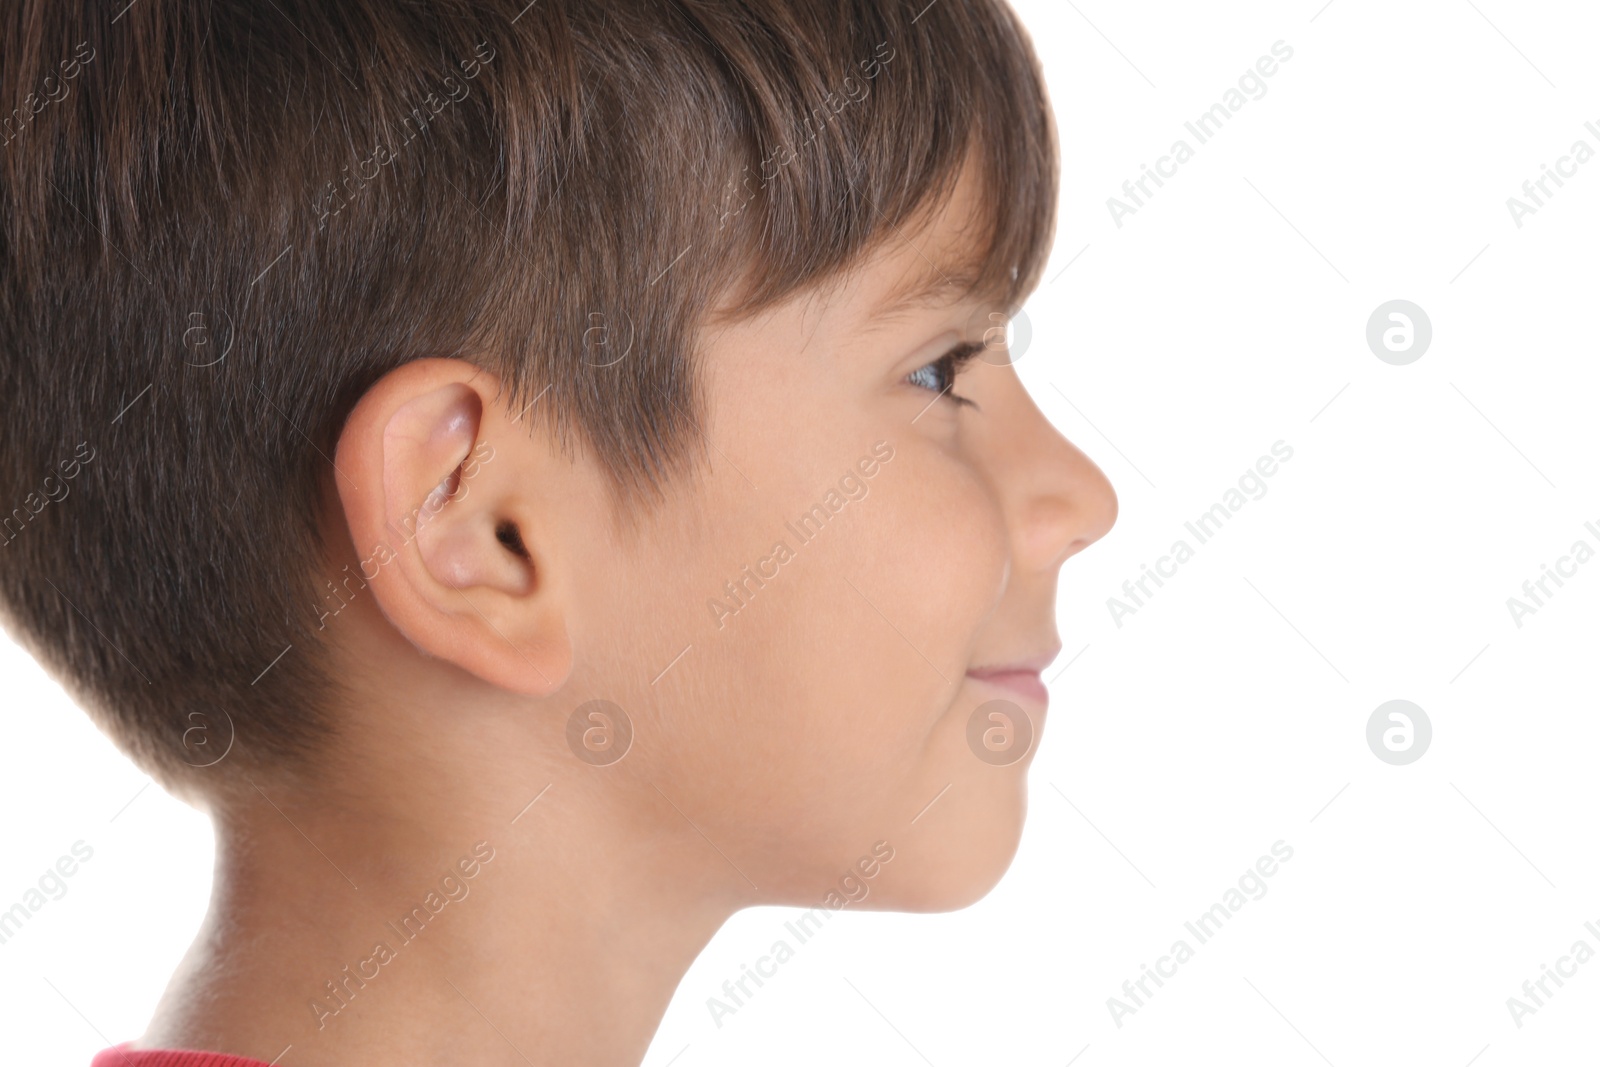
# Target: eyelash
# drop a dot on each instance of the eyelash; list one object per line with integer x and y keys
{"x": 945, "y": 370}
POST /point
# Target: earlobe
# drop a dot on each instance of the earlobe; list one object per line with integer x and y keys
{"x": 453, "y": 512}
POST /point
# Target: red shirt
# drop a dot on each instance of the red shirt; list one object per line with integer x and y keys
{"x": 123, "y": 1056}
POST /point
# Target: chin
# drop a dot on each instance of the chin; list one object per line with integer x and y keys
{"x": 954, "y": 862}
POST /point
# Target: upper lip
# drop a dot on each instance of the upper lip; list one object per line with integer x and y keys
{"x": 1032, "y": 664}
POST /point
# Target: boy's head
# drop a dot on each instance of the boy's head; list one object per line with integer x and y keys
{"x": 423, "y": 402}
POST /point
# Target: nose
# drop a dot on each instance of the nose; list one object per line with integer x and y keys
{"x": 1057, "y": 501}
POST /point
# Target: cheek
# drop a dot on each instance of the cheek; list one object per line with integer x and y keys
{"x": 811, "y": 703}
{"x": 932, "y": 561}
{"x": 842, "y": 668}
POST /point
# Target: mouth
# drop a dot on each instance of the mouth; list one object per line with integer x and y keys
{"x": 1022, "y": 677}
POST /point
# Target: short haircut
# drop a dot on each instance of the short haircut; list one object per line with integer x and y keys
{"x": 225, "y": 220}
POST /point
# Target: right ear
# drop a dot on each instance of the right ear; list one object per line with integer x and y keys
{"x": 439, "y": 489}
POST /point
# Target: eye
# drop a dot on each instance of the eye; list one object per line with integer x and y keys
{"x": 940, "y": 375}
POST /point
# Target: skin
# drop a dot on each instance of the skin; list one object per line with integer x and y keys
{"x": 772, "y": 747}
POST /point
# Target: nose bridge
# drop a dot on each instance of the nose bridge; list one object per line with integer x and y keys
{"x": 1060, "y": 501}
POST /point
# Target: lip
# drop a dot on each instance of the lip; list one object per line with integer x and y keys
{"x": 1024, "y": 683}
{"x": 1022, "y": 677}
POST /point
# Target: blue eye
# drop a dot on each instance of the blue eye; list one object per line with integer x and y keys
{"x": 940, "y": 375}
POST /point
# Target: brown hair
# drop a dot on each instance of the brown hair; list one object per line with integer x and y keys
{"x": 223, "y": 221}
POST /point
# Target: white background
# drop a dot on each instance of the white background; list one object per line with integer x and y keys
{"x": 1230, "y": 712}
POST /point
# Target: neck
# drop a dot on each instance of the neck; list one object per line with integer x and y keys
{"x": 556, "y": 935}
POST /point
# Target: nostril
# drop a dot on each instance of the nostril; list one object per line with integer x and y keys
{"x": 508, "y": 534}
{"x": 1078, "y": 544}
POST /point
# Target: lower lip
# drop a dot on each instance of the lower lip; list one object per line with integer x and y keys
{"x": 1023, "y": 683}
